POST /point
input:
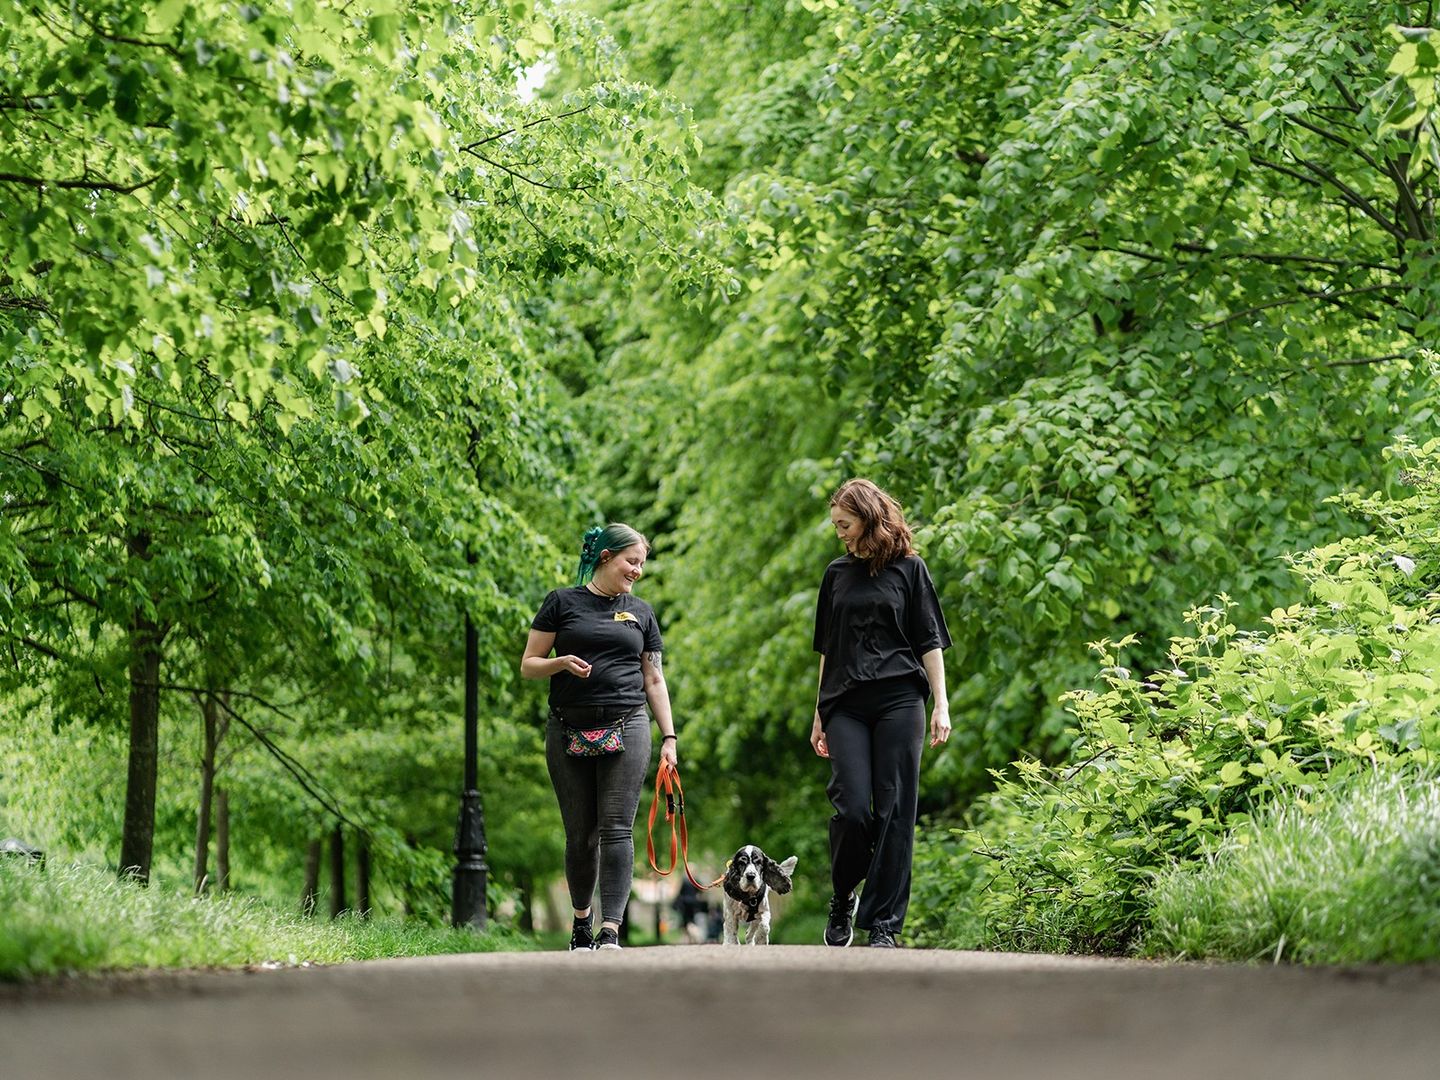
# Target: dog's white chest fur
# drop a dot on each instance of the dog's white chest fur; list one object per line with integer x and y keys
{"x": 750, "y": 877}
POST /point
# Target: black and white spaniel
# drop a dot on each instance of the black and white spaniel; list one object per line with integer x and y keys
{"x": 750, "y": 876}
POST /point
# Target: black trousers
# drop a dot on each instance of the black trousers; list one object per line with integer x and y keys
{"x": 875, "y": 733}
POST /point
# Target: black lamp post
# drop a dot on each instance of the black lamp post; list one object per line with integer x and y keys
{"x": 468, "y": 897}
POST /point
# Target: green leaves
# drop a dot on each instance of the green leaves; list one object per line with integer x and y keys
{"x": 226, "y": 219}
{"x": 271, "y": 291}
{"x": 1239, "y": 722}
{"x": 1416, "y": 70}
{"x": 1109, "y": 297}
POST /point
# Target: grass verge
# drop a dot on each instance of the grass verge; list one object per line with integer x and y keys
{"x": 77, "y": 918}
{"x": 1353, "y": 878}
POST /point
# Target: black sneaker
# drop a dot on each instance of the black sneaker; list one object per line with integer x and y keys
{"x": 840, "y": 930}
{"x": 607, "y": 938}
{"x": 883, "y": 939}
{"x": 582, "y": 937}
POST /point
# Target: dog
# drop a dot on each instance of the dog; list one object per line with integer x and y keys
{"x": 750, "y": 876}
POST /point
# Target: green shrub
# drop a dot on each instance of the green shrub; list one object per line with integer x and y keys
{"x": 1162, "y": 769}
{"x": 1354, "y": 878}
{"x": 944, "y": 873}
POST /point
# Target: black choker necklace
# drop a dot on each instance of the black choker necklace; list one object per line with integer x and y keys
{"x": 595, "y": 590}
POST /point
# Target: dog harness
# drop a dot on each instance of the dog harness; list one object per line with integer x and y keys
{"x": 751, "y": 904}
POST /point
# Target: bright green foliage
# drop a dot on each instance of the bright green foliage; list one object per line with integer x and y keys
{"x": 306, "y": 306}
{"x": 204, "y": 198}
{"x": 1133, "y": 226}
{"x": 1111, "y": 297}
{"x": 198, "y": 189}
{"x": 275, "y": 401}
{"x": 1164, "y": 768}
{"x": 1351, "y": 879}
{"x": 1416, "y": 67}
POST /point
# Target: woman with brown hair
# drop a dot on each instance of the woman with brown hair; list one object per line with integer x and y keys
{"x": 880, "y": 634}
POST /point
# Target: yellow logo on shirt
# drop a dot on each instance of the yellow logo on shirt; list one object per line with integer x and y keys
{"x": 625, "y": 616}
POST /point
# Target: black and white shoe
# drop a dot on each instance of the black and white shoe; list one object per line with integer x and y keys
{"x": 883, "y": 939}
{"x": 840, "y": 929}
{"x": 607, "y": 939}
{"x": 582, "y": 936}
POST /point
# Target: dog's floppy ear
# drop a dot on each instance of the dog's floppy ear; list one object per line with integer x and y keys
{"x": 777, "y": 875}
{"x": 732, "y": 875}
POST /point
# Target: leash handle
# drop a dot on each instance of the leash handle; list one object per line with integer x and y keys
{"x": 667, "y": 782}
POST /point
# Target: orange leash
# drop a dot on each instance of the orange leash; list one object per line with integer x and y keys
{"x": 667, "y": 782}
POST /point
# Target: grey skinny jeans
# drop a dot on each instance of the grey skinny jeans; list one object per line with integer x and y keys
{"x": 598, "y": 797}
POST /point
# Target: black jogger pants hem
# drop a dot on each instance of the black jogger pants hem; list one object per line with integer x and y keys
{"x": 875, "y": 733}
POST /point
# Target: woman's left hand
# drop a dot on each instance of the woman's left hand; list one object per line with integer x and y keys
{"x": 668, "y": 753}
{"x": 939, "y": 725}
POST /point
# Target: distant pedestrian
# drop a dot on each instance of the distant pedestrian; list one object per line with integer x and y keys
{"x": 692, "y": 911}
{"x": 880, "y": 634}
{"x": 606, "y": 668}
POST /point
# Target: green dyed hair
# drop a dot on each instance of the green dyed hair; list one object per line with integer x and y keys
{"x": 613, "y": 537}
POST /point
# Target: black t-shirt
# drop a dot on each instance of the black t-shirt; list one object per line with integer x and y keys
{"x": 871, "y": 628}
{"x": 608, "y": 632}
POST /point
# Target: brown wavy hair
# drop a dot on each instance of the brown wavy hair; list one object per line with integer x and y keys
{"x": 884, "y": 534}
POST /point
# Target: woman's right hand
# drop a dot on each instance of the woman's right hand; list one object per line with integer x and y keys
{"x": 575, "y": 666}
{"x": 817, "y": 738}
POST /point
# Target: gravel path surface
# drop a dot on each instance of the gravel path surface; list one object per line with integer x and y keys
{"x": 748, "y": 1014}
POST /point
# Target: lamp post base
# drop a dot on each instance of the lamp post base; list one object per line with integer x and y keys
{"x": 468, "y": 895}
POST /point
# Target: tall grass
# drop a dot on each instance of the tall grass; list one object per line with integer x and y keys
{"x": 76, "y": 917}
{"x": 1355, "y": 878}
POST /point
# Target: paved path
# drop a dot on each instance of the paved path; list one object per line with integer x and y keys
{"x": 738, "y": 1013}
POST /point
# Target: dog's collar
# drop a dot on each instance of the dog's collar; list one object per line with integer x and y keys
{"x": 751, "y": 904}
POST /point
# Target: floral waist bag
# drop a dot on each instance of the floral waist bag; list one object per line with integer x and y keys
{"x": 591, "y": 738}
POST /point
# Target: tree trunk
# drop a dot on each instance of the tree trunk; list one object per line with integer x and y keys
{"x": 312, "y": 878}
{"x": 362, "y": 876}
{"x": 337, "y": 871}
{"x": 208, "y": 710}
{"x": 554, "y": 917}
{"x": 138, "y": 835}
{"x": 407, "y": 890}
{"x": 527, "y": 902}
{"x": 222, "y": 840}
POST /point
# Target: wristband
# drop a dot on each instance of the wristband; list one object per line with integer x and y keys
{"x": 664, "y": 737}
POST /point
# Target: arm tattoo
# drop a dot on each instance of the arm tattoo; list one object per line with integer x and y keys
{"x": 654, "y": 658}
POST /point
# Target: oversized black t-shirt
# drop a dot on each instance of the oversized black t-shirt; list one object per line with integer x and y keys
{"x": 871, "y": 628}
{"x": 610, "y": 632}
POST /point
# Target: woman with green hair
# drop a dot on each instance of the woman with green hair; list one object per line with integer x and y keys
{"x": 605, "y": 670}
